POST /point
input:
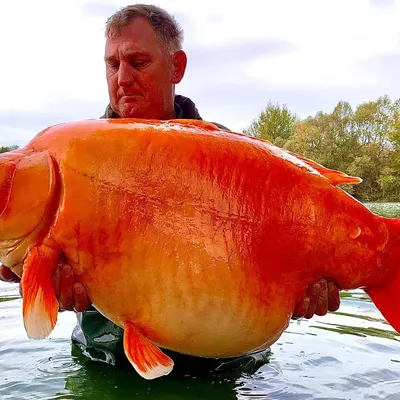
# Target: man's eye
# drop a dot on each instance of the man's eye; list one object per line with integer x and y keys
{"x": 113, "y": 65}
{"x": 140, "y": 64}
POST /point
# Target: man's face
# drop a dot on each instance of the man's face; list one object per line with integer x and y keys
{"x": 140, "y": 74}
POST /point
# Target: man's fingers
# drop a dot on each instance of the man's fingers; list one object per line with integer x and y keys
{"x": 7, "y": 275}
{"x": 55, "y": 280}
{"x": 301, "y": 308}
{"x": 81, "y": 299}
{"x": 70, "y": 295}
{"x": 66, "y": 299}
{"x": 322, "y": 302}
{"x": 312, "y": 292}
{"x": 333, "y": 297}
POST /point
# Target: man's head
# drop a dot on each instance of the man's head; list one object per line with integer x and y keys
{"x": 144, "y": 61}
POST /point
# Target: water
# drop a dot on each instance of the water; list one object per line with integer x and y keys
{"x": 391, "y": 210}
{"x": 350, "y": 354}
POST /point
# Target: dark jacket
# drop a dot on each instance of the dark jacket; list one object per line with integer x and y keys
{"x": 184, "y": 109}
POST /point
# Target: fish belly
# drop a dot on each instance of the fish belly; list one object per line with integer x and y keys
{"x": 209, "y": 311}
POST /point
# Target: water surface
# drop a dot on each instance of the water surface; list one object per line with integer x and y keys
{"x": 350, "y": 354}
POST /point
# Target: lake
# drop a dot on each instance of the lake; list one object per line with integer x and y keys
{"x": 350, "y": 354}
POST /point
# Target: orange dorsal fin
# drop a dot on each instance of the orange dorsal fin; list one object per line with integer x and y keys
{"x": 147, "y": 359}
{"x": 333, "y": 176}
{"x": 40, "y": 305}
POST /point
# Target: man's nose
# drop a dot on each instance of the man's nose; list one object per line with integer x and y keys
{"x": 125, "y": 74}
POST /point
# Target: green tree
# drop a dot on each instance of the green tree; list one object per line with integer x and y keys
{"x": 394, "y": 127}
{"x": 326, "y": 138}
{"x": 389, "y": 182}
{"x": 274, "y": 123}
{"x": 364, "y": 142}
{"x": 376, "y": 121}
{"x": 5, "y": 149}
{"x": 368, "y": 164}
{"x": 306, "y": 139}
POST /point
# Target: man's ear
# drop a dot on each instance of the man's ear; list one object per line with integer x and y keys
{"x": 179, "y": 60}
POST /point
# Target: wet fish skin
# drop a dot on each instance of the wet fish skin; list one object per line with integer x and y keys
{"x": 189, "y": 237}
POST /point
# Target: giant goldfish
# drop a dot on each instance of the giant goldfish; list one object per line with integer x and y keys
{"x": 191, "y": 238}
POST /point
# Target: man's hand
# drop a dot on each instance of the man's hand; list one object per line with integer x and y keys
{"x": 71, "y": 295}
{"x": 320, "y": 298}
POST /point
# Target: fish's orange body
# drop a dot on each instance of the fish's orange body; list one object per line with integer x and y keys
{"x": 201, "y": 239}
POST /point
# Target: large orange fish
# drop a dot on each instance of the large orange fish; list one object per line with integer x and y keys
{"x": 189, "y": 237}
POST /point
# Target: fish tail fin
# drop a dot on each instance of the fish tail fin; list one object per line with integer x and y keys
{"x": 147, "y": 359}
{"x": 40, "y": 305}
{"x": 386, "y": 296}
{"x": 387, "y": 300}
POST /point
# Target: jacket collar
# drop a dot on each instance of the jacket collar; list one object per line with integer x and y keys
{"x": 184, "y": 109}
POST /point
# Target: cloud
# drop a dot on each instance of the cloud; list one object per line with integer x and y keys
{"x": 381, "y": 3}
{"x": 225, "y": 102}
{"x": 214, "y": 67}
{"x": 17, "y": 127}
{"x": 97, "y": 9}
{"x": 386, "y": 67}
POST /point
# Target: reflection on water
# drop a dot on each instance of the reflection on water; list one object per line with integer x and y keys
{"x": 8, "y": 298}
{"x": 362, "y": 332}
{"x": 350, "y": 354}
{"x": 390, "y": 210}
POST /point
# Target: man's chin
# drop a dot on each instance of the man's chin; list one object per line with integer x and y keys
{"x": 131, "y": 111}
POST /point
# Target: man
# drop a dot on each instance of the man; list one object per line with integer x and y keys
{"x": 144, "y": 61}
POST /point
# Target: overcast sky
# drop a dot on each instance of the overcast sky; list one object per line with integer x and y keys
{"x": 307, "y": 54}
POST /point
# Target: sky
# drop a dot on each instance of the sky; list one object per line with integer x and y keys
{"x": 306, "y": 54}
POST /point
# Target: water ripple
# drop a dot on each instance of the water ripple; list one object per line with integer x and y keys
{"x": 56, "y": 365}
{"x": 270, "y": 383}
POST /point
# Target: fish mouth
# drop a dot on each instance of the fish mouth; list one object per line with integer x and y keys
{"x": 13, "y": 253}
{"x": 10, "y": 244}
{"x": 7, "y": 258}
{"x": 26, "y": 214}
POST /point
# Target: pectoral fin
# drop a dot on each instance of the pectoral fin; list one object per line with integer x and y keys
{"x": 40, "y": 305}
{"x": 147, "y": 359}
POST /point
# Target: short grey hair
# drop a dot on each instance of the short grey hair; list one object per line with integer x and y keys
{"x": 165, "y": 26}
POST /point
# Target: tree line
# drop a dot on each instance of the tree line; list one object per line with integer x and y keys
{"x": 364, "y": 142}
{"x": 4, "y": 149}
